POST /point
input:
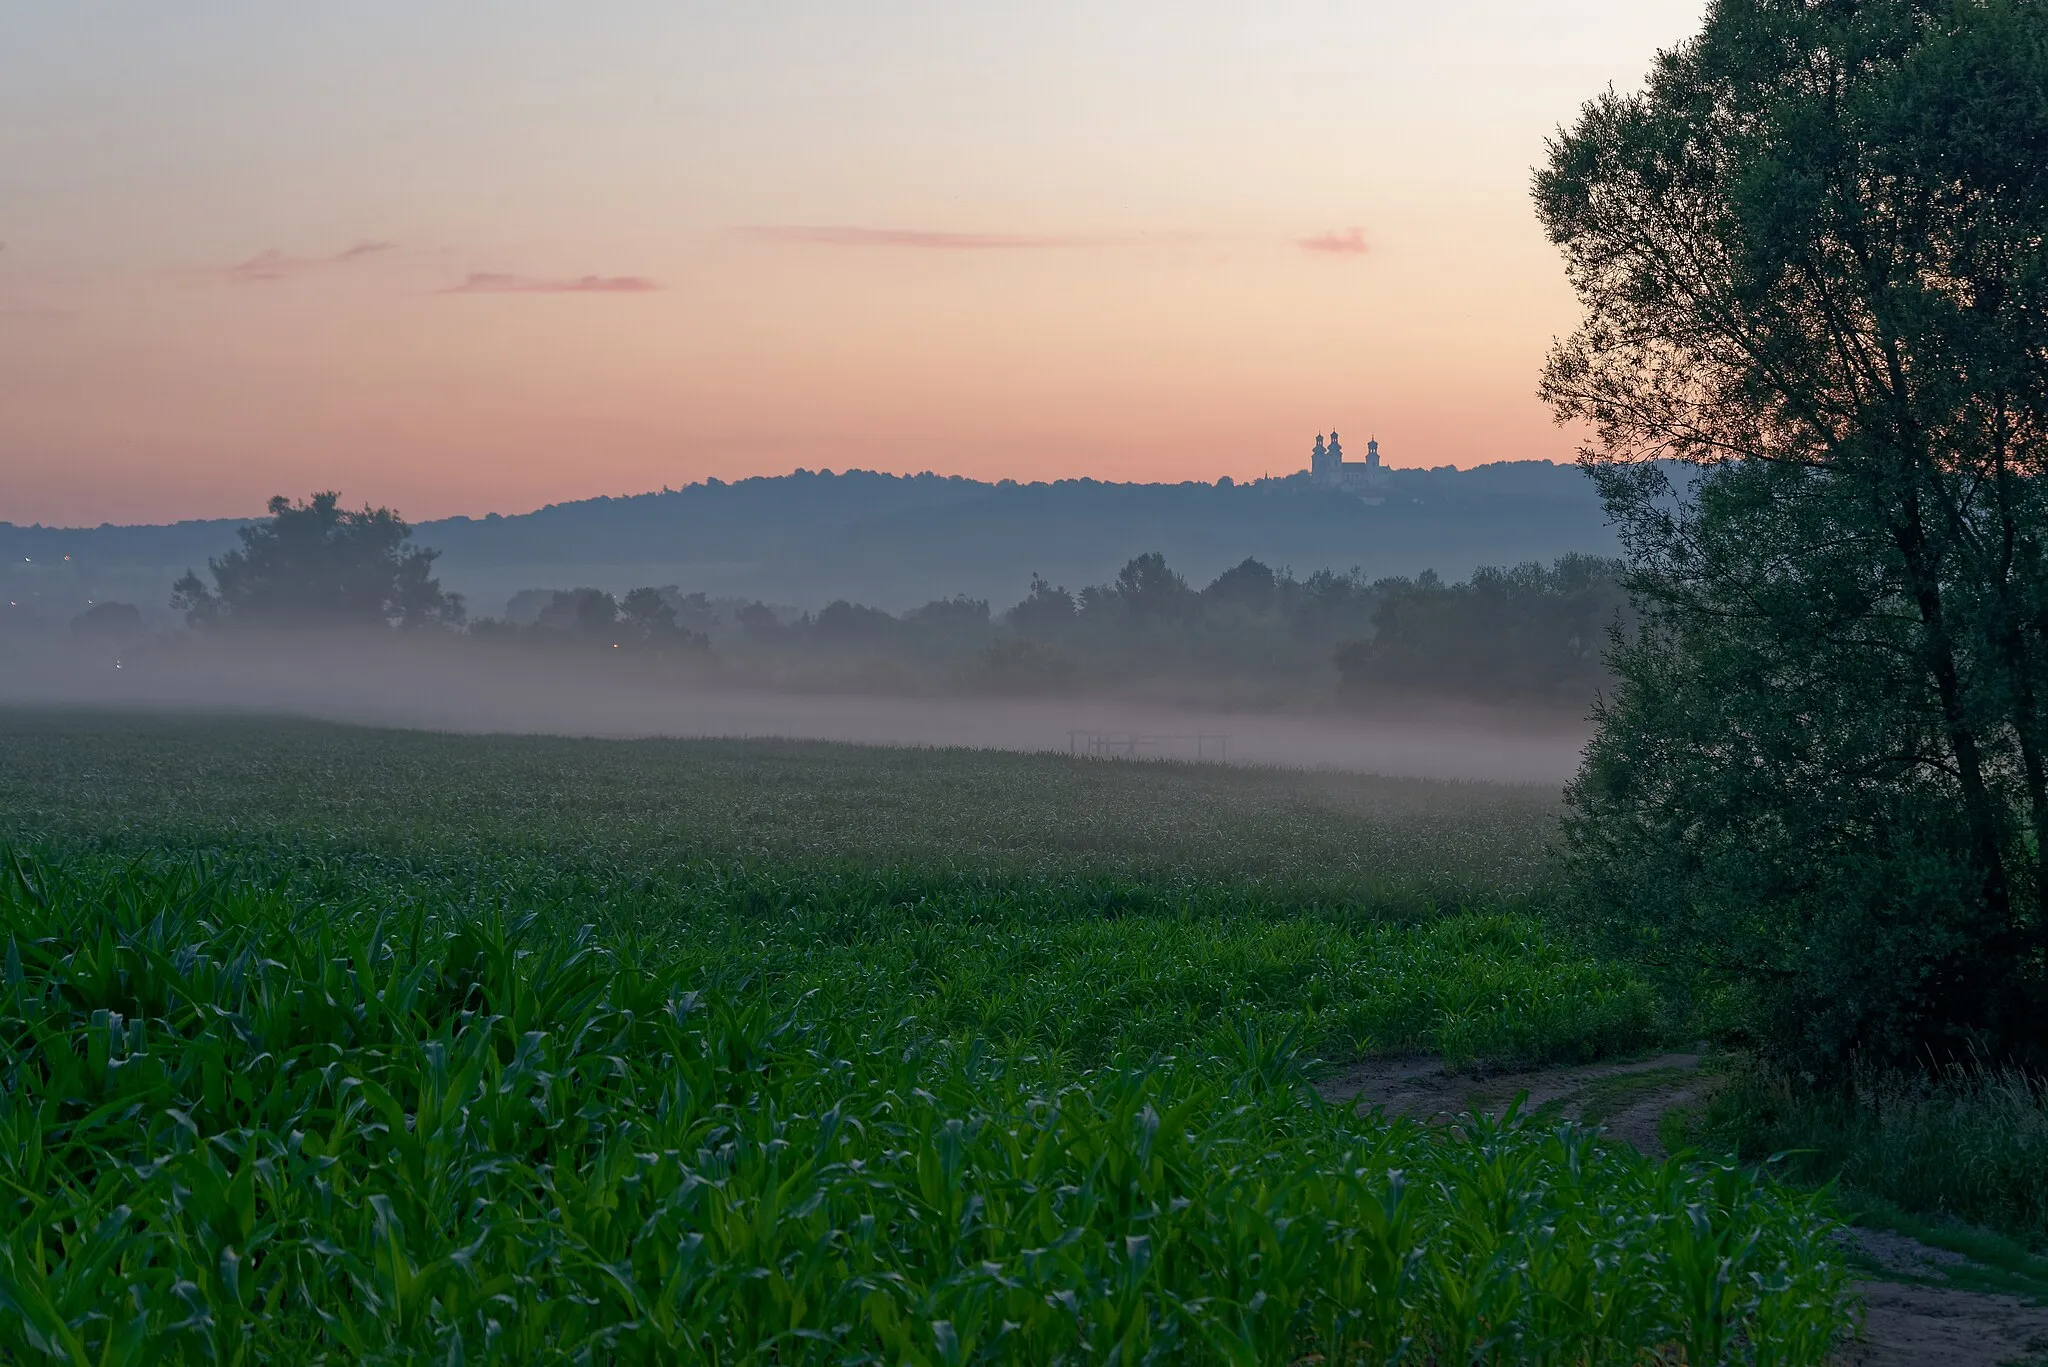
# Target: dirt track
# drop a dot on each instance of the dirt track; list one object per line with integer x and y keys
{"x": 1906, "y": 1321}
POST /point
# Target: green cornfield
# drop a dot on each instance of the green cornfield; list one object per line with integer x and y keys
{"x": 328, "y": 1045}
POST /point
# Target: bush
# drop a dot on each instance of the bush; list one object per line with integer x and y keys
{"x": 1967, "y": 1142}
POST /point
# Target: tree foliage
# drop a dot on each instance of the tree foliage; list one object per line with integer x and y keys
{"x": 1811, "y": 255}
{"x": 1044, "y": 611}
{"x": 317, "y": 564}
{"x": 1529, "y": 635}
{"x": 646, "y": 621}
{"x": 1533, "y": 633}
{"x": 1149, "y": 588}
{"x": 109, "y": 623}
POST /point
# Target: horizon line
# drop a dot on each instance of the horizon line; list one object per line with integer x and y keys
{"x": 823, "y": 472}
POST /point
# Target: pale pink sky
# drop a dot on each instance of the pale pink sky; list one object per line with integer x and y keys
{"x": 460, "y": 259}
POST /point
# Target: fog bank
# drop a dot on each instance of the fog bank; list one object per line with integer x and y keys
{"x": 450, "y": 686}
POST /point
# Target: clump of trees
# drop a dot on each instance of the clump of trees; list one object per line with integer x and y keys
{"x": 1530, "y": 635}
{"x": 644, "y": 621}
{"x": 1534, "y": 633}
{"x": 1811, "y": 255}
{"x": 1253, "y": 634}
{"x": 317, "y": 564}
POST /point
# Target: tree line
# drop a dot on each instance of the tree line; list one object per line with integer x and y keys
{"x": 1530, "y": 635}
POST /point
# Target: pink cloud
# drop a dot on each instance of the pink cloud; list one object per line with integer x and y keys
{"x": 271, "y": 264}
{"x": 928, "y": 239}
{"x": 500, "y": 282}
{"x": 1350, "y": 242}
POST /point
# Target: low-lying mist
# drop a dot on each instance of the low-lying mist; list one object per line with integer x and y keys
{"x": 448, "y": 685}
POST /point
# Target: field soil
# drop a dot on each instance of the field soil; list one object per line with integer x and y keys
{"x": 1909, "y": 1317}
{"x": 1627, "y": 1098}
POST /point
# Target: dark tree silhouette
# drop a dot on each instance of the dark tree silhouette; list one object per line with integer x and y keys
{"x": 581, "y": 612}
{"x": 109, "y": 622}
{"x": 1249, "y": 583}
{"x": 595, "y": 614}
{"x": 1148, "y": 587}
{"x": 758, "y": 621}
{"x": 957, "y": 615}
{"x": 840, "y": 623}
{"x": 650, "y": 621}
{"x": 647, "y": 616}
{"x": 1811, "y": 257}
{"x": 317, "y": 564}
{"x": 1534, "y": 633}
{"x": 1045, "y": 611}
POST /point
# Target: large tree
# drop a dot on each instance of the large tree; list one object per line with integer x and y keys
{"x": 317, "y": 564}
{"x": 1815, "y": 352}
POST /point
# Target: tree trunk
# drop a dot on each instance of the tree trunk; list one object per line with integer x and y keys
{"x": 1924, "y": 579}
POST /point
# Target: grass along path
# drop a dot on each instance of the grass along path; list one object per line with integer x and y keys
{"x": 1929, "y": 1291}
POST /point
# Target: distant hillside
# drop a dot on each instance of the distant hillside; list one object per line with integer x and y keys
{"x": 892, "y": 541}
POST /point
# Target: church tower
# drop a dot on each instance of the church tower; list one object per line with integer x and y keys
{"x": 1327, "y": 468}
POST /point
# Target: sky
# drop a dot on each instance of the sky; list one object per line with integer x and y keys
{"x": 472, "y": 257}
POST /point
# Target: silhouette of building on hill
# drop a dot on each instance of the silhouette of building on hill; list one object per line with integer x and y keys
{"x": 1328, "y": 469}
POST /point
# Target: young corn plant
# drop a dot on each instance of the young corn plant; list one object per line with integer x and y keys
{"x": 248, "y": 1124}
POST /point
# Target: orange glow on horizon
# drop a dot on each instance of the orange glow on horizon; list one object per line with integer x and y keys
{"x": 455, "y": 271}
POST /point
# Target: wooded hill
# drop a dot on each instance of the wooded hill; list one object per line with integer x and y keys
{"x": 806, "y": 538}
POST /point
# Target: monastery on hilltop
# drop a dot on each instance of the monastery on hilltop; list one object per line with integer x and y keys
{"x": 1328, "y": 468}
